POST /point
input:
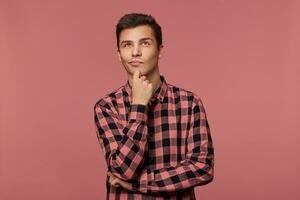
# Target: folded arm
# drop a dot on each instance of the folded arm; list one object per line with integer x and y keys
{"x": 196, "y": 169}
{"x": 123, "y": 146}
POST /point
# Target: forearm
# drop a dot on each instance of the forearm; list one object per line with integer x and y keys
{"x": 196, "y": 169}
{"x": 185, "y": 175}
{"x": 123, "y": 146}
{"x": 126, "y": 158}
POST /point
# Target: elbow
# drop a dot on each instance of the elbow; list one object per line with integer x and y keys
{"x": 207, "y": 181}
{"x": 210, "y": 171}
{"x": 206, "y": 175}
{"x": 209, "y": 176}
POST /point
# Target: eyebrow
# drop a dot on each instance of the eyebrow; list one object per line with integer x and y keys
{"x": 142, "y": 39}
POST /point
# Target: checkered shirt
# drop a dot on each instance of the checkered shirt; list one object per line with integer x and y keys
{"x": 163, "y": 149}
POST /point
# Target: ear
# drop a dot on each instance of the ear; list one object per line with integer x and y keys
{"x": 119, "y": 55}
{"x": 161, "y": 50}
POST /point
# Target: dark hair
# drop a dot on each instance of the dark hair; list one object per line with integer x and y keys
{"x": 137, "y": 19}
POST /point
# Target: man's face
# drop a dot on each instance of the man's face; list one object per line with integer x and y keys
{"x": 138, "y": 50}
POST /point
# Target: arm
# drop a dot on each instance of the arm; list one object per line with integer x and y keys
{"x": 123, "y": 146}
{"x": 196, "y": 169}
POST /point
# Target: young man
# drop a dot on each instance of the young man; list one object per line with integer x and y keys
{"x": 155, "y": 136}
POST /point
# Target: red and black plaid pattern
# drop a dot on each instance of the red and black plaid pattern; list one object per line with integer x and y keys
{"x": 164, "y": 149}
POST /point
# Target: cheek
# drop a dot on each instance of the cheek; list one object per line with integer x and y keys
{"x": 153, "y": 57}
{"x": 125, "y": 56}
{"x": 151, "y": 54}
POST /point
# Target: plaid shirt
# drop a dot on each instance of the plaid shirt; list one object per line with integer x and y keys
{"x": 164, "y": 149}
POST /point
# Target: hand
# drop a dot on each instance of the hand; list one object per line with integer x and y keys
{"x": 112, "y": 179}
{"x": 115, "y": 181}
{"x": 142, "y": 90}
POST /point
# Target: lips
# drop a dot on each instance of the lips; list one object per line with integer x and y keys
{"x": 135, "y": 62}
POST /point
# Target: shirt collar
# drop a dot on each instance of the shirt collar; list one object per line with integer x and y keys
{"x": 159, "y": 93}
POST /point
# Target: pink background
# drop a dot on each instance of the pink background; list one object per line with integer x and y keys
{"x": 59, "y": 57}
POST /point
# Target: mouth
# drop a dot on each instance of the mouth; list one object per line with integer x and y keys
{"x": 135, "y": 63}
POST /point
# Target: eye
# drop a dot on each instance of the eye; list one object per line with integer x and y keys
{"x": 127, "y": 45}
{"x": 146, "y": 43}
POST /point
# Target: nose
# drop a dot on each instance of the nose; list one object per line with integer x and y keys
{"x": 136, "y": 51}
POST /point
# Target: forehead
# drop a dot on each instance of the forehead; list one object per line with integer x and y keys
{"x": 137, "y": 33}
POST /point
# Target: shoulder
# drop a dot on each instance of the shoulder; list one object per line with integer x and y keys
{"x": 184, "y": 94}
{"x": 109, "y": 99}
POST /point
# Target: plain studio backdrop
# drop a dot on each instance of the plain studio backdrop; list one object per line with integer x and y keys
{"x": 57, "y": 58}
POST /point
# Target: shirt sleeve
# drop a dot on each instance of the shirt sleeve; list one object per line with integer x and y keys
{"x": 123, "y": 146}
{"x": 196, "y": 169}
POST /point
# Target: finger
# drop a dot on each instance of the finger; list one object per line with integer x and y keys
{"x": 115, "y": 182}
{"x": 136, "y": 74}
{"x": 111, "y": 177}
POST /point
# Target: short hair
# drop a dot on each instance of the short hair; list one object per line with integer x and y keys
{"x": 137, "y": 19}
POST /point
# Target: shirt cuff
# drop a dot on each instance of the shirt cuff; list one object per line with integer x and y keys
{"x": 141, "y": 184}
{"x": 138, "y": 112}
